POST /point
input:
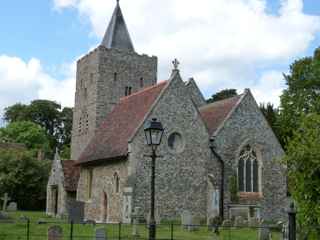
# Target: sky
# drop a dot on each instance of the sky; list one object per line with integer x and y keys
{"x": 221, "y": 43}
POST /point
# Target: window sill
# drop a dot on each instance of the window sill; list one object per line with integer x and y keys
{"x": 250, "y": 195}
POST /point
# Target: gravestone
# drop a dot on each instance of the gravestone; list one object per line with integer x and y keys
{"x": 239, "y": 222}
{"x": 75, "y": 211}
{"x": 264, "y": 232}
{"x": 186, "y": 219}
{"x": 3, "y": 216}
{"x": 227, "y": 223}
{"x": 100, "y": 234}
{"x": 55, "y": 233}
{"x": 285, "y": 231}
{"x": 5, "y": 200}
{"x": 12, "y": 207}
{"x": 136, "y": 217}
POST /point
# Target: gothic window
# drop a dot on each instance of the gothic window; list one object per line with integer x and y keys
{"x": 116, "y": 182}
{"x": 248, "y": 170}
{"x": 89, "y": 182}
{"x": 129, "y": 89}
{"x": 80, "y": 125}
{"x": 85, "y": 93}
{"x": 141, "y": 82}
{"x": 87, "y": 122}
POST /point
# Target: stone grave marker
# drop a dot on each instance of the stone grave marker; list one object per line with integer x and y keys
{"x": 264, "y": 232}
{"x": 136, "y": 216}
{"x": 55, "y": 233}
{"x": 186, "y": 219}
{"x": 227, "y": 223}
{"x": 12, "y": 207}
{"x": 75, "y": 211}
{"x": 100, "y": 234}
{"x": 5, "y": 200}
{"x": 239, "y": 222}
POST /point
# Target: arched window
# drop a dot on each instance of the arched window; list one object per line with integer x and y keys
{"x": 116, "y": 182}
{"x": 248, "y": 170}
{"x": 141, "y": 82}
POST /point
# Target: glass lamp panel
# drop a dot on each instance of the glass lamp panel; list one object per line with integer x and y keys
{"x": 148, "y": 136}
{"x": 155, "y": 136}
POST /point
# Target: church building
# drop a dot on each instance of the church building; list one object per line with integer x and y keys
{"x": 218, "y": 159}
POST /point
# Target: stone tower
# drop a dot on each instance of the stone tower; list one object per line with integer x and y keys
{"x": 111, "y": 71}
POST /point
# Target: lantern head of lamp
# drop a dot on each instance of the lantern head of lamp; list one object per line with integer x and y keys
{"x": 153, "y": 131}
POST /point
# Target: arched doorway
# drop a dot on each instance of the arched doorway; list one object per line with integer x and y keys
{"x": 104, "y": 208}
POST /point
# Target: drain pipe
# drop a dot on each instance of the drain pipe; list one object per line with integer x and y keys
{"x": 212, "y": 147}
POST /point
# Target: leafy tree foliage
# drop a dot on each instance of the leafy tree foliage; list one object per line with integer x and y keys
{"x": 303, "y": 161}
{"x": 272, "y": 114}
{"x": 24, "y": 178}
{"x": 302, "y": 95}
{"x": 48, "y": 114}
{"x": 28, "y": 133}
{"x": 226, "y": 93}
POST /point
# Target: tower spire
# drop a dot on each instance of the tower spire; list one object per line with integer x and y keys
{"x": 117, "y": 34}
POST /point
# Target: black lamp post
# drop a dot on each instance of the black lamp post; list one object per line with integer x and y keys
{"x": 153, "y": 131}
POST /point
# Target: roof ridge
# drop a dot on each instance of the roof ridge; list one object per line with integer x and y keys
{"x": 143, "y": 90}
{"x": 220, "y": 101}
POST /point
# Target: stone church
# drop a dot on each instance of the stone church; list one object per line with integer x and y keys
{"x": 218, "y": 159}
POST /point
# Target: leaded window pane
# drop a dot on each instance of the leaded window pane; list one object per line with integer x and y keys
{"x": 255, "y": 176}
{"x": 241, "y": 175}
{"x": 248, "y": 176}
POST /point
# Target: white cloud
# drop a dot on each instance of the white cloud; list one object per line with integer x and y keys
{"x": 269, "y": 87}
{"x": 220, "y": 42}
{"x": 23, "y": 81}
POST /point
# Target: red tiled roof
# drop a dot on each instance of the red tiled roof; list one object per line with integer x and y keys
{"x": 111, "y": 139}
{"x": 71, "y": 174}
{"x": 214, "y": 114}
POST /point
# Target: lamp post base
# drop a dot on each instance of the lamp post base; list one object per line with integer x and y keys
{"x": 152, "y": 230}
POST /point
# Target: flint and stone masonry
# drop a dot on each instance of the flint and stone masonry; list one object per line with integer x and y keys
{"x": 116, "y": 93}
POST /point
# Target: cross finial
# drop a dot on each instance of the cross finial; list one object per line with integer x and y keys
{"x": 175, "y": 63}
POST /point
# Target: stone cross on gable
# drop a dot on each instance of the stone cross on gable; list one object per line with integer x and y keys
{"x": 5, "y": 200}
{"x": 176, "y": 64}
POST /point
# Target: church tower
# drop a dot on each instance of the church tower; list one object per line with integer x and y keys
{"x": 111, "y": 71}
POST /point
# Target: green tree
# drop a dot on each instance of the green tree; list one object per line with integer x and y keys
{"x": 226, "y": 93}
{"x": 48, "y": 114}
{"x": 24, "y": 178}
{"x": 28, "y": 133}
{"x": 272, "y": 114}
{"x": 303, "y": 161}
{"x": 302, "y": 95}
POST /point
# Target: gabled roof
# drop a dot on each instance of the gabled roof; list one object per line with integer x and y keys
{"x": 117, "y": 34}
{"x": 71, "y": 174}
{"x": 111, "y": 138}
{"x": 214, "y": 114}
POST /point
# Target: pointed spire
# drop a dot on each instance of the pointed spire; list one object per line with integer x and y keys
{"x": 117, "y": 34}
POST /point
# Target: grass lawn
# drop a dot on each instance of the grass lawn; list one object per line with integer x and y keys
{"x": 17, "y": 230}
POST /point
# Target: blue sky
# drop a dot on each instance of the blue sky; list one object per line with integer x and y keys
{"x": 42, "y": 39}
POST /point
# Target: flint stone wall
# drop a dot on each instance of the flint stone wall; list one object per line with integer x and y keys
{"x": 247, "y": 125}
{"x": 98, "y": 90}
{"x": 181, "y": 177}
{"x": 103, "y": 182}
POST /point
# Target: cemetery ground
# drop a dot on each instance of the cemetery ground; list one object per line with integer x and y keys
{"x": 16, "y": 229}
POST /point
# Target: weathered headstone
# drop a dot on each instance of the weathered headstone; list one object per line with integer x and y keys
{"x": 12, "y": 207}
{"x": 5, "y": 200}
{"x": 186, "y": 219}
{"x": 227, "y": 223}
{"x": 3, "y": 216}
{"x": 239, "y": 222}
{"x": 100, "y": 234}
{"x": 75, "y": 211}
{"x": 264, "y": 233}
{"x": 55, "y": 233}
{"x": 136, "y": 218}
